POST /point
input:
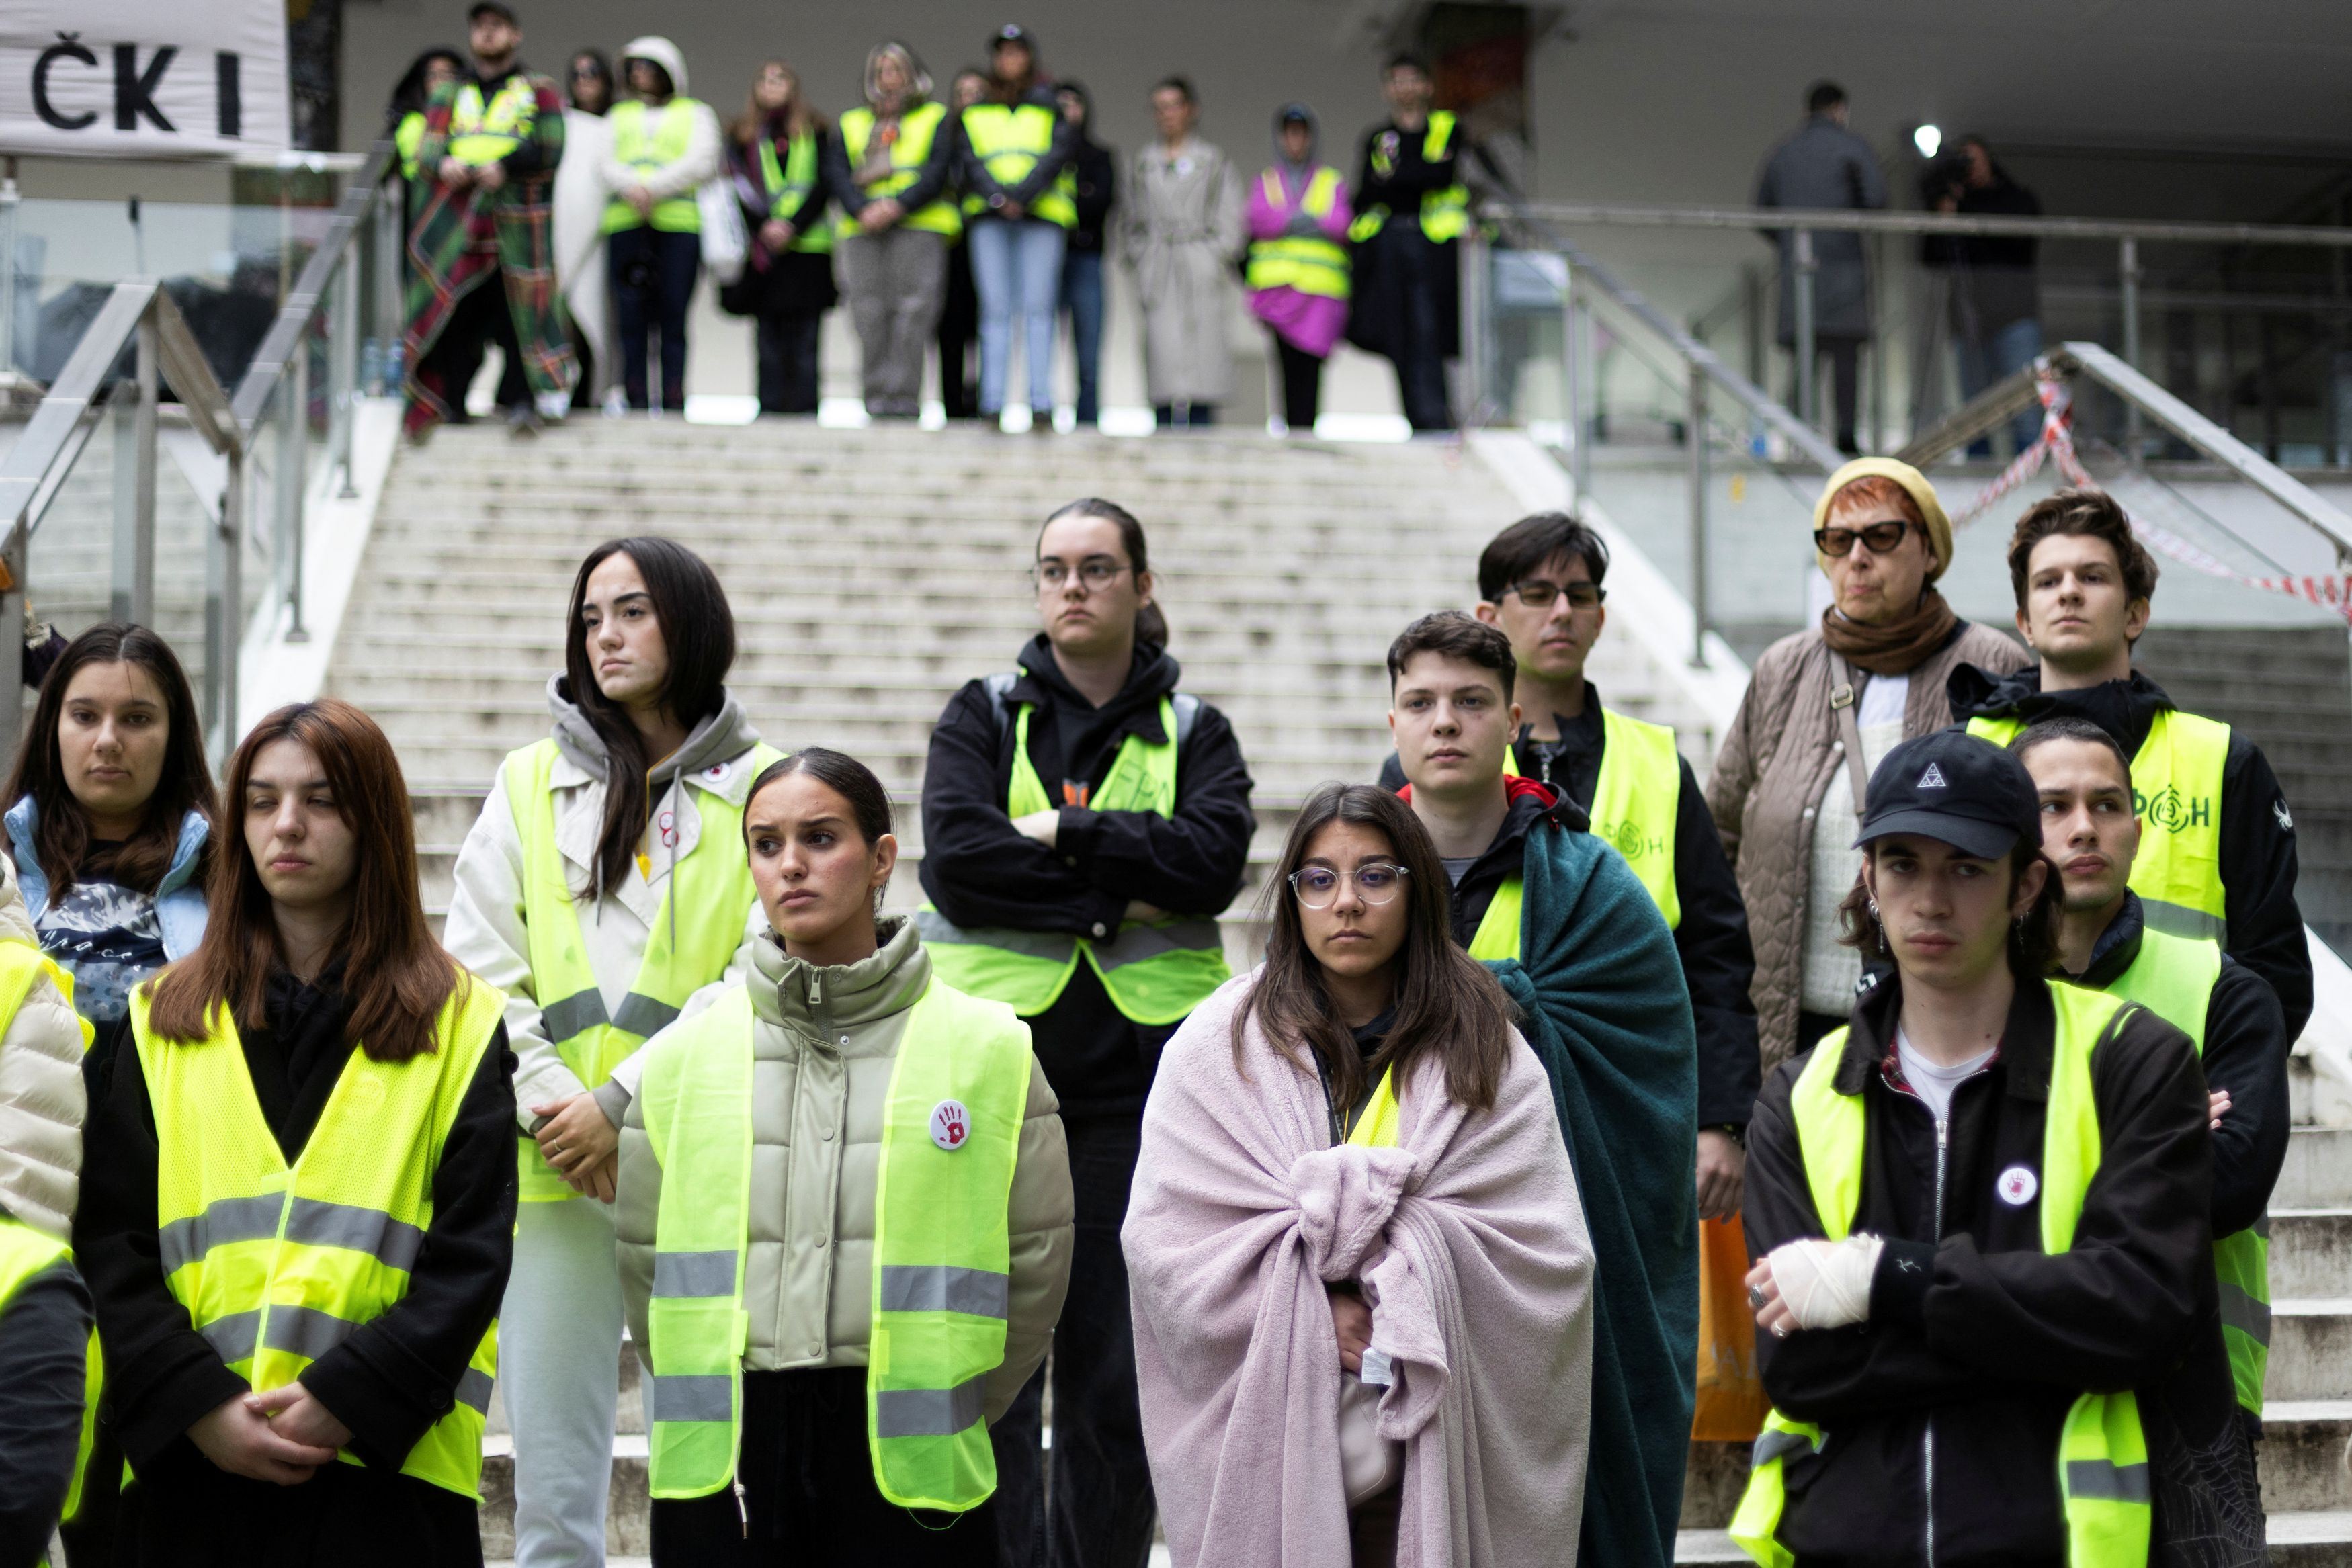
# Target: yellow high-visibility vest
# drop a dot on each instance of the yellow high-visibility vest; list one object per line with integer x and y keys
{"x": 1444, "y": 214}
{"x": 942, "y": 1246}
{"x": 2102, "y": 1459}
{"x": 482, "y": 134}
{"x": 1311, "y": 264}
{"x": 1008, "y": 140}
{"x": 278, "y": 1264}
{"x": 788, "y": 187}
{"x": 647, "y": 139}
{"x": 917, "y": 128}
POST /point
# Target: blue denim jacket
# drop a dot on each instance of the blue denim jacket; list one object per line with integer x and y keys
{"x": 179, "y": 903}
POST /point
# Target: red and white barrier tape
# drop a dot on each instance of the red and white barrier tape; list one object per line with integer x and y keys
{"x": 2056, "y": 444}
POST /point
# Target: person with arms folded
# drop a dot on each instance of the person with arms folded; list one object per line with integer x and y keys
{"x": 604, "y": 890}
{"x": 298, "y": 1201}
{"x": 1083, "y": 823}
{"x": 1980, "y": 1210}
{"x": 1299, "y": 273}
{"x": 888, "y": 170}
{"x": 1363, "y": 1286}
{"x": 1587, "y": 959}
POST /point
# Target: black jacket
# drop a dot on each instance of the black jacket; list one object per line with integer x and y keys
{"x": 1410, "y": 176}
{"x": 1993, "y": 281}
{"x": 1974, "y": 1334}
{"x": 979, "y": 872}
{"x": 2246, "y": 1048}
{"x": 1711, "y": 940}
{"x": 1096, "y": 173}
{"x": 2265, "y": 928}
{"x": 44, "y": 1335}
{"x": 840, "y": 182}
{"x": 973, "y": 175}
{"x": 390, "y": 1381}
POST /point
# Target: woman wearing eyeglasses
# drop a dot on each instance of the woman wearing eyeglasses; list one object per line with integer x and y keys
{"x": 1361, "y": 1270}
{"x": 1083, "y": 824}
{"x": 1823, "y": 705}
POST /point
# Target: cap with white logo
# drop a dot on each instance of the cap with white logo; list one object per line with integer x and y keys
{"x": 1955, "y": 789}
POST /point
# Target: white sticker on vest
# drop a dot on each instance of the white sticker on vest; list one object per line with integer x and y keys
{"x": 2017, "y": 1187}
{"x": 668, "y": 823}
{"x": 717, "y": 772}
{"x": 950, "y": 1124}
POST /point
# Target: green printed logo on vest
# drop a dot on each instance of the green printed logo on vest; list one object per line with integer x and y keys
{"x": 2173, "y": 812}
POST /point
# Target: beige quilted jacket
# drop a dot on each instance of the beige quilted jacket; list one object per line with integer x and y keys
{"x": 1781, "y": 752}
{"x": 41, "y": 1099}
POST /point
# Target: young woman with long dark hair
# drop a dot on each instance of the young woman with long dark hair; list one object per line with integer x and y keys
{"x": 604, "y": 890}
{"x": 903, "y": 1251}
{"x": 298, "y": 1201}
{"x": 1980, "y": 1212}
{"x": 1083, "y": 824}
{"x": 776, "y": 151}
{"x": 1287, "y": 1265}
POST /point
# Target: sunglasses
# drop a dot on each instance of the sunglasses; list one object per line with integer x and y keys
{"x": 1882, "y": 538}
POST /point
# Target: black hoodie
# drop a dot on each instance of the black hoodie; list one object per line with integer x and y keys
{"x": 2263, "y": 928}
{"x": 980, "y": 871}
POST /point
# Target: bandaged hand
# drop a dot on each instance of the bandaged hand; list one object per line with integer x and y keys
{"x": 1815, "y": 1284}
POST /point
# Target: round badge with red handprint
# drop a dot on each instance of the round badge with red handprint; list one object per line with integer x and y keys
{"x": 950, "y": 1124}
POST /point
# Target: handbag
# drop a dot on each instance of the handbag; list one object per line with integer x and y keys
{"x": 726, "y": 244}
{"x": 1369, "y": 1464}
{"x": 1731, "y": 1399}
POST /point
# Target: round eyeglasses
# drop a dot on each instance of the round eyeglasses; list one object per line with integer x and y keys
{"x": 1318, "y": 887}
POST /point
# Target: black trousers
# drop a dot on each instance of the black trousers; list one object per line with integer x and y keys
{"x": 1302, "y": 386}
{"x": 1418, "y": 346}
{"x": 652, "y": 277}
{"x": 1185, "y": 415}
{"x": 184, "y": 1513}
{"x": 1098, "y": 1510}
{"x": 959, "y": 326}
{"x": 809, "y": 1499}
{"x": 1845, "y": 390}
{"x": 788, "y": 363}
{"x": 480, "y": 319}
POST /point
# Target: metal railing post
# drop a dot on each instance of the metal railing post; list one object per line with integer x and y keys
{"x": 2127, "y": 257}
{"x": 391, "y": 270}
{"x": 287, "y": 486}
{"x": 1477, "y": 320}
{"x": 1801, "y": 335}
{"x": 11, "y": 199}
{"x": 223, "y": 619}
{"x": 1587, "y": 376}
{"x": 132, "y": 596}
{"x": 1571, "y": 433}
{"x": 344, "y": 366}
{"x": 12, "y": 622}
{"x": 1695, "y": 433}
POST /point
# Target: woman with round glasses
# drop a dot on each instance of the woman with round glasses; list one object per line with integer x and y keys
{"x": 1083, "y": 824}
{"x": 1361, "y": 1264}
{"x": 1824, "y": 704}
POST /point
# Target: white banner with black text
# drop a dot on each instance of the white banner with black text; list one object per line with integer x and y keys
{"x": 142, "y": 79}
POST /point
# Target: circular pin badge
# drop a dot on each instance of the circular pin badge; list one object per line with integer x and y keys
{"x": 950, "y": 1124}
{"x": 716, "y": 771}
{"x": 2017, "y": 1187}
{"x": 668, "y": 824}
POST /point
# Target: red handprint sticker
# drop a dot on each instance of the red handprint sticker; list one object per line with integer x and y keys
{"x": 950, "y": 1124}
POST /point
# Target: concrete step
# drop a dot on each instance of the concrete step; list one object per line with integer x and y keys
{"x": 628, "y": 1510}
{"x": 2311, "y": 1348}
{"x": 2318, "y": 1169}
{"x": 2311, "y": 1250}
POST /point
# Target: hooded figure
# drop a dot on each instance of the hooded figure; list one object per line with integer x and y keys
{"x": 1299, "y": 275}
{"x": 663, "y": 147}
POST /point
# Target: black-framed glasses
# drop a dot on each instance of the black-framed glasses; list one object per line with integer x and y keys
{"x": 1096, "y": 572}
{"x": 1538, "y": 594}
{"x": 1882, "y": 538}
{"x": 1318, "y": 887}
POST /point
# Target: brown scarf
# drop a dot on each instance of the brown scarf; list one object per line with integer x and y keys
{"x": 1899, "y": 646}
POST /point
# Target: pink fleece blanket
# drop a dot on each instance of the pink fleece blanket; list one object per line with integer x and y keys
{"x": 1471, "y": 1247}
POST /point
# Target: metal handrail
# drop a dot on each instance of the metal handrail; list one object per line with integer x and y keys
{"x": 1772, "y": 219}
{"x": 307, "y": 297}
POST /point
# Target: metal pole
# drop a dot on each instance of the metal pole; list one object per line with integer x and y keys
{"x": 223, "y": 622}
{"x": 2129, "y": 260}
{"x": 1694, "y": 433}
{"x": 343, "y": 365}
{"x": 1588, "y": 397}
{"x": 10, "y": 199}
{"x": 1571, "y": 398}
{"x": 289, "y": 482}
{"x": 1803, "y": 334}
{"x": 12, "y": 622}
{"x": 1476, "y": 295}
{"x": 1878, "y": 286}
{"x": 142, "y": 579}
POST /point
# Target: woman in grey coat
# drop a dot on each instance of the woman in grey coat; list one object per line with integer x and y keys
{"x": 1182, "y": 231}
{"x": 1823, "y": 165}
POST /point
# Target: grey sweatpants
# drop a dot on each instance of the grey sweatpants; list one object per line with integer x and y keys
{"x": 559, "y": 1378}
{"x": 895, "y": 282}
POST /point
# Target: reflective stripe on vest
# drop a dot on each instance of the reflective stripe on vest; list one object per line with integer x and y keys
{"x": 1444, "y": 214}
{"x": 1497, "y": 937}
{"x": 918, "y": 127}
{"x": 2177, "y": 792}
{"x": 2173, "y": 977}
{"x": 407, "y": 138}
{"x": 1156, "y": 972}
{"x": 711, "y": 890}
{"x": 942, "y": 1247}
{"x": 2102, "y": 1477}
{"x": 647, "y": 151}
{"x": 1008, "y": 140}
{"x": 1310, "y": 265}
{"x": 789, "y": 186}
{"x": 483, "y": 133}
{"x": 278, "y": 1265}
{"x": 1635, "y": 803}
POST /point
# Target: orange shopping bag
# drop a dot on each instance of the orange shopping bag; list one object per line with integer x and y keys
{"x": 1731, "y": 1402}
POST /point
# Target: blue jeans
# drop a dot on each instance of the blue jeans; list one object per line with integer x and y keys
{"x": 1985, "y": 360}
{"x": 653, "y": 275}
{"x": 1016, "y": 267}
{"x": 1082, "y": 296}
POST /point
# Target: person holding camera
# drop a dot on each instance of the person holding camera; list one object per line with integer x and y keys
{"x": 1995, "y": 292}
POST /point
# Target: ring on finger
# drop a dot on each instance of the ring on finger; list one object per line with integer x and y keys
{"x": 1756, "y": 1297}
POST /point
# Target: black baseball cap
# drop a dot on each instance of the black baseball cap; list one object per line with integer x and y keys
{"x": 1955, "y": 789}
{"x": 481, "y": 8}
{"x": 1012, "y": 33}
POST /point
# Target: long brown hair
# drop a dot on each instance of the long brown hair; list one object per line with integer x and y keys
{"x": 61, "y": 828}
{"x": 697, "y": 628}
{"x": 800, "y": 120}
{"x": 395, "y": 975}
{"x": 1447, "y": 1004}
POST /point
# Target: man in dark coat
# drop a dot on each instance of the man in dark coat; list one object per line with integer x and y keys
{"x": 1823, "y": 165}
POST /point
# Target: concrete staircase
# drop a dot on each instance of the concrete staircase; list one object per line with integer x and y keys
{"x": 871, "y": 573}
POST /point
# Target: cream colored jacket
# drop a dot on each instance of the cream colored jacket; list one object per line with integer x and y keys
{"x": 822, "y": 1051}
{"x": 41, "y": 1099}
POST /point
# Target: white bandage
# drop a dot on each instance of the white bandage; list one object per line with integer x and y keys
{"x": 1826, "y": 1284}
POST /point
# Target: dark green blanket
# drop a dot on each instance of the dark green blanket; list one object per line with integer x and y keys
{"x": 1610, "y": 1017}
